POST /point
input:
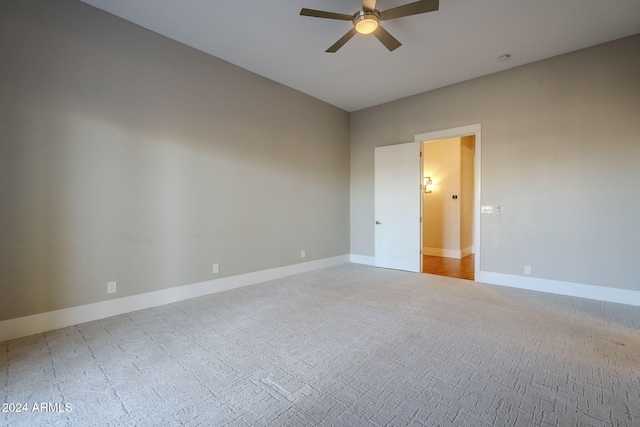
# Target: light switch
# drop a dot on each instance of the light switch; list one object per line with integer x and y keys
{"x": 487, "y": 209}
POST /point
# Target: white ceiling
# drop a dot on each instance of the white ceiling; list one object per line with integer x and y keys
{"x": 459, "y": 42}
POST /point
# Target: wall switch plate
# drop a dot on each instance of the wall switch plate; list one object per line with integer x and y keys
{"x": 216, "y": 268}
{"x": 111, "y": 287}
{"x": 487, "y": 209}
{"x": 303, "y": 254}
{"x": 527, "y": 269}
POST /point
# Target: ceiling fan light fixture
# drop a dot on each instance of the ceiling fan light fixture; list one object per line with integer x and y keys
{"x": 366, "y": 21}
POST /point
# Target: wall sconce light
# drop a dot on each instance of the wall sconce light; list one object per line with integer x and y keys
{"x": 428, "y": 185}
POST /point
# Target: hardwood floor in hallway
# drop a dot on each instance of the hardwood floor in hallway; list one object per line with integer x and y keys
{"x": 451, "y": 267}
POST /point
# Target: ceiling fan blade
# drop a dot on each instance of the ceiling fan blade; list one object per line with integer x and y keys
{"x": 328, "y": 15}
{"x": 387, "y": 39}
{"x": 369, "y": 4}
{"x": 414, "y": 8}
{"x": 337, "y": 45}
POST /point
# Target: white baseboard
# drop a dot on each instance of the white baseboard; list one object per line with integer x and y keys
{"x": 445, "y": 253}
{"x": 43, "y": 322}
{"x": 448, "y": 253}
{"x": 600, "y": 293}
{"x": 363, "y": 259}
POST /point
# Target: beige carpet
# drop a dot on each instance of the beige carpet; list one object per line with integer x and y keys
{"x": 350, "y": 345}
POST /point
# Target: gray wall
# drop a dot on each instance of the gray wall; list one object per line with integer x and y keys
{"x": 560, "y": 154}
{"x": 128, "y": 157}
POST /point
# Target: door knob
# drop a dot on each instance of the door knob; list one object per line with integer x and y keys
{"x": 378, "y": 223}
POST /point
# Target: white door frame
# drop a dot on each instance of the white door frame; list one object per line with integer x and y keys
{"x": 475, "y": 129}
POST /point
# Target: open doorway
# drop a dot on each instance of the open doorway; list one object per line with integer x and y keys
{"x": 448, "y": 247}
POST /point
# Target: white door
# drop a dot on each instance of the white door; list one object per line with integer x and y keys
{"x": 398, "y": 204}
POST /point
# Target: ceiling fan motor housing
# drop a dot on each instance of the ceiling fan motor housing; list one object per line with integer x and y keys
{"x": 366, "y": 21}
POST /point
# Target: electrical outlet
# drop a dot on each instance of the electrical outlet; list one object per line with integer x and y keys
{"x": 527, "y": 269}
{"x": 216, "y": 268}
{"x": 111, "y": 287}
{"x": 303, "y": 254}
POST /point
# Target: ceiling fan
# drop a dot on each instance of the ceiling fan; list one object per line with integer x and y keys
{"x": 367, "y": 20}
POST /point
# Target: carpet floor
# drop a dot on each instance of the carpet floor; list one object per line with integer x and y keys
{"x": 350, "y": 345}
